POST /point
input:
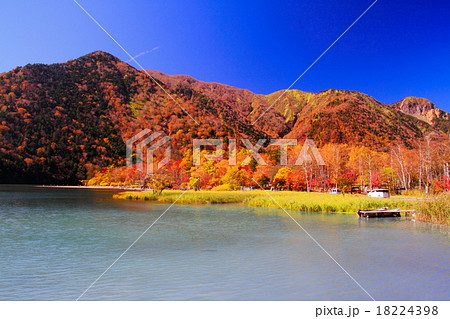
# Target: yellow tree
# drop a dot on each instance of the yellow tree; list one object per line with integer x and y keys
{"x": 366, "y": 162}
{"x": 405, "y": 162}
{"x": 281, "y": 177}
{"x": 235, "y": 177}
{"x": 335, "y": 157}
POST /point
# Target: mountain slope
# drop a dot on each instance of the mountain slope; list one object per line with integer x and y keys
{"x": 330, "y": 116}
{"x": 58, "y": 122}
{"x": 353, "y": 117}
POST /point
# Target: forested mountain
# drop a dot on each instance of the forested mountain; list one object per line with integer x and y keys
{"x": 331, "y": 116}
{"x": 59, "y": 122}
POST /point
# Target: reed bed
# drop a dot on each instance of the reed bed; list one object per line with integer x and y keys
{"x": 436, "y": 210}
{"x": 190, "y": 197}
{"x": 295, "y": 201}
{"x": 325, "y": 203}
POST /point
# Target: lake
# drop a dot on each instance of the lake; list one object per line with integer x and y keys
{"x": 56, "y": 241}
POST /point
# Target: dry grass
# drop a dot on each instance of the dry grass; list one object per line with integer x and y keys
{"x": 436, "y": 210}
{"x": 297, "y": 201}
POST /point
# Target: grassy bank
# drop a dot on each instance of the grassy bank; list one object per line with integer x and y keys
{"x": 325, "y": 203}
{"x": 436, "y": 210}
{"x": 190, "y": 197}
{"x": 297, "y": 201}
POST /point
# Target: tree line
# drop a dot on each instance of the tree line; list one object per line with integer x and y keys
{"x": 425, "y": 167}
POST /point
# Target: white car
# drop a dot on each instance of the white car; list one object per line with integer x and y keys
{"x": 335, "y": 191}
{"x": 379, "y": 193}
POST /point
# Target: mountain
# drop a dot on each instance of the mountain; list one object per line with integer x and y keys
{"x": 353, "y": 117}
{"x": 336, "y": 116}
{"x": 59, "y": 122}
{"x": 243, "y": 102}
{"x": 425, "y": 110}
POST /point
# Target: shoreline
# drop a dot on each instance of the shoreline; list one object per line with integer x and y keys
{"x": 299, "y": 202}
{"x": 295, "y": 201}
{"x": 94, "y": 187}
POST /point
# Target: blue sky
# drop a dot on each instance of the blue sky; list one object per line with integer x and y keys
{"x": 399, "y": 48}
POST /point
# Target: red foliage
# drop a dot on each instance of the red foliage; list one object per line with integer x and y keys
{"x": 442, "y": 185}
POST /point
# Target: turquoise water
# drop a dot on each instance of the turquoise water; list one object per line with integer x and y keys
{"x": 56, "y": 242}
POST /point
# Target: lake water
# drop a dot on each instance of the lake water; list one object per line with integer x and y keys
{"x": 56, "y": 242}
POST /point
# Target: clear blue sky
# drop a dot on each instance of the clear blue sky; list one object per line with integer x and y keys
{"x": 399, "y": 48}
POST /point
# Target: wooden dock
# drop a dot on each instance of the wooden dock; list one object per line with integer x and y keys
{"x": 382, "y": 212}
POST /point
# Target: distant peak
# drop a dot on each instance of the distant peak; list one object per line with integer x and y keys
{"x": 414, "y": 105}
{"x": 421, "y": 108}
{"x": 416, "y": 100}
{"x": 100, "y": 55}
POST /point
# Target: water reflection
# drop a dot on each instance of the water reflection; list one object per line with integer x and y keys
{"x": 55, "y": 242}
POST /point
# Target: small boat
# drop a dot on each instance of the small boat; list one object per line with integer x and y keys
{"x": 379, "y": 212}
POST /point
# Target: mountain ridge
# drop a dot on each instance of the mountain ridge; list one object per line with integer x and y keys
{"x": 298, "y": 108}
{"x": 58, "y": 122}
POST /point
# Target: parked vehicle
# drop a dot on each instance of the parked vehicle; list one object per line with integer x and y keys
{"x": 335, "y": 191}
{"x": 379, "y": 193}
{"x": 355, "y": 190}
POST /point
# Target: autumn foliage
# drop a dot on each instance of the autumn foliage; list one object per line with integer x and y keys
{"x": 67, "y": 123}
{"x": 346, "y": 167}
